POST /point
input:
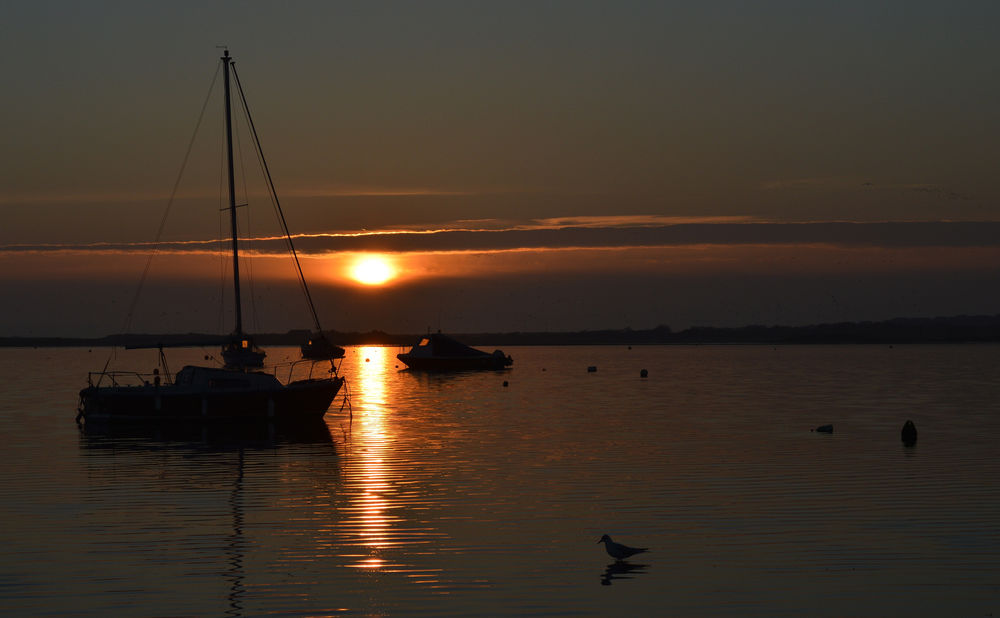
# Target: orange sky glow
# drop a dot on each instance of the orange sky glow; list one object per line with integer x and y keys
{"x": 403, "y": 268}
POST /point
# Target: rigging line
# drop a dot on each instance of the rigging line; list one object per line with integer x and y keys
{"x": 170, "y": 202}
{"x": 277, "y": 211}
{"x": 274, "y": 193}
{"x": 273, "y": 196}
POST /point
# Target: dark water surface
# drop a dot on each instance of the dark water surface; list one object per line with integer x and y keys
{"x": 452, "y": 494}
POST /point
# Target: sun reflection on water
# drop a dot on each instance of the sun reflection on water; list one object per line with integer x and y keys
{"x": 373, "y": 496}
{"x": 392, "y": 491}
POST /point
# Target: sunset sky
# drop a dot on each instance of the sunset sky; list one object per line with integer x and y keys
{"x": 515, "y": 165}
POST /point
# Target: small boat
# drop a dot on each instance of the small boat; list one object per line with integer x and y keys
{"x": 437, "y": 352}
{"x": 237, "y": 390}
{"x": 320, "y": 348}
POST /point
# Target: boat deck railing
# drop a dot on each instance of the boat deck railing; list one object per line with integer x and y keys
{"x": 293, "y": 366}
{"x": 127, "y": 378}
{"x": 291, "y": 371}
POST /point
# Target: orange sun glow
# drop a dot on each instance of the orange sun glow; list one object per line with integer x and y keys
{"x": 372, "y": 270}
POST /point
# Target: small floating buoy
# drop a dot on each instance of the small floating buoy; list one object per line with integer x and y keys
{"x": 824, "y": 429}
{"x": 368, "y": 360}
{"x": 909, "y": 434}
{"x": 643, "y": 373}
{"x": 592, "y": 369}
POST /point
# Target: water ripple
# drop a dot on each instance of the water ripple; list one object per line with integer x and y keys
{"x": 456, "y": 495}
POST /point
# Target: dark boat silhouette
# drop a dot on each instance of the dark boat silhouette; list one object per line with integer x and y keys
{"x": 237, "y": 390}
{"x": 437, "y": 352}
{"x": 318, "y": 347}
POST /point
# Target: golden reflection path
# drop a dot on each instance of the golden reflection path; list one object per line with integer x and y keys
{"x": 376, "y": 531}
{"x": 368, "y": 522}
{"x": 392, "y": 495}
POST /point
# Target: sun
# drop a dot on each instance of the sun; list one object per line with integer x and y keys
{"x": 372, "y": 270}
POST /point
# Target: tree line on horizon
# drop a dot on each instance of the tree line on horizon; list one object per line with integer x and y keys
{"x": 953, "y": 329}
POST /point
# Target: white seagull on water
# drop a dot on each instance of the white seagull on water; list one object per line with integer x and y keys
{"x": 619, "y": 551}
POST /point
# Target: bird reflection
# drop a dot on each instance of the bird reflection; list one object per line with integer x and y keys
{"x": 621, "y": 569}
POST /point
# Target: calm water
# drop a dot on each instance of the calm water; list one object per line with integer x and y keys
{"x": 452, "y": 494}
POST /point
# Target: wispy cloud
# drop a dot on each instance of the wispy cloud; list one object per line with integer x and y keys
{"x": 582, "y": 232}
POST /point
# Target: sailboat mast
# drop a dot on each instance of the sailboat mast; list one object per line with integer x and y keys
{"x": 226, "y": 60}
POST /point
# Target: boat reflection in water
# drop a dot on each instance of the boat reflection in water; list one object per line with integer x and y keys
{"x": 145, "y": 435}
{"x": 191, "y": 487}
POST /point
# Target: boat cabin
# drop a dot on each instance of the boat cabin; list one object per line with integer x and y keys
{"x": 210, "y": 377}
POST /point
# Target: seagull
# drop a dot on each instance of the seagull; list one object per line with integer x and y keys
{"x": 619, "y": 551}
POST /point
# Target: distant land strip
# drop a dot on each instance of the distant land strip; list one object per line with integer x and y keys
{"x": 954, "y": 329}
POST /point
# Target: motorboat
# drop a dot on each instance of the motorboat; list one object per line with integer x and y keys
{"x": 438, "y": 352}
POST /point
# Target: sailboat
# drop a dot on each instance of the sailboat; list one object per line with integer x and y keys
{"x": 238, "y": 390}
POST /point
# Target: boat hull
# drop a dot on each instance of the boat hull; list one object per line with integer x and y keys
{"x": 296, "y": 401}
{"x": 322, "y": 351}
{"x": 457, "y": 363}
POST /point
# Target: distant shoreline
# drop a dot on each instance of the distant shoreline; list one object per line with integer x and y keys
{"x": 955, "y": 329}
